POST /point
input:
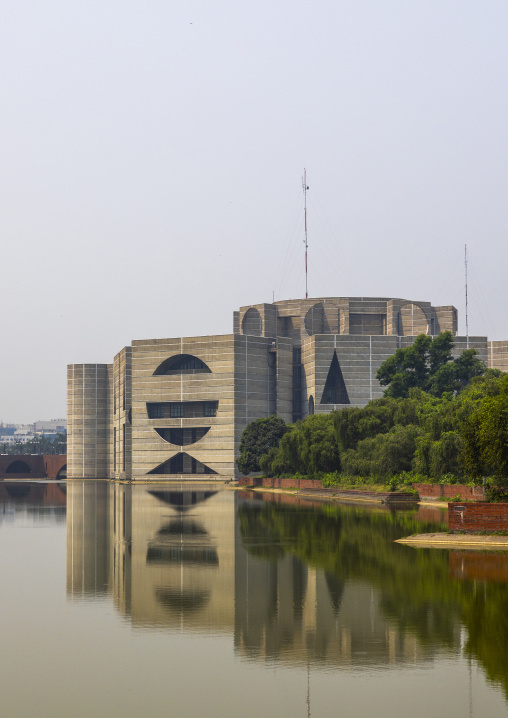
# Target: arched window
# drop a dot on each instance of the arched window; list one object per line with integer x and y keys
{"x": 412, "y": 321}
{"x": 252, "y": 323}
{"x": 182, "y": 364}
{"x": 311, "y": 404}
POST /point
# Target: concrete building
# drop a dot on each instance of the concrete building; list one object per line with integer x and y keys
{"x": 53, "y": 426}
{"x": 178, "y": 407}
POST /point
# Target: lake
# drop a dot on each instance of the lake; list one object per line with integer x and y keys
{"x": 199, "y": 600}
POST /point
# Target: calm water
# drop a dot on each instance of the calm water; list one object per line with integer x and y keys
{"x": 183, "y": 601}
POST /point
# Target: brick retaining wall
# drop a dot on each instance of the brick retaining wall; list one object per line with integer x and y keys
{"x": 53, "y": 463}
{"x": 39, "y": 466}
{"x": 280, "y": 483}
{"x": 476, "y": 517}
{"x": 444, "y": 491}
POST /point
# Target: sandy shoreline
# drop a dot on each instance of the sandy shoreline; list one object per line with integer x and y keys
{"x": 456, "y": 541}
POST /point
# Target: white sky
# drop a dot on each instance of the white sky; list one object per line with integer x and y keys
{"x": 152, "y": 154}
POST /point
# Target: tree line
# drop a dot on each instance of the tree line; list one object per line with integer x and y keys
{"x": 440, "y": 418}
{"x": 38, "y": 444}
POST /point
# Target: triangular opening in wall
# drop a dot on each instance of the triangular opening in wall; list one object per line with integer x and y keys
{"x": 335, "y": 391}
{"x": 182, "y": 463}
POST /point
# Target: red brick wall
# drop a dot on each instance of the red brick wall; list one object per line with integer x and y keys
{"x": 33, "y": 461}
{"x": 438, "y": 491}
{"x": 280, "y": 483}
{"x": 476, "y": 517}
{"x": 53, "y": 463}
{"x": 41, "y": 467}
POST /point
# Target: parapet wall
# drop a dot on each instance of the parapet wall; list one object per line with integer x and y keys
{"x": 280, "y": 483}
{"x": 477, "y": 517}
{"x": 447, "y": 491}
{"x": 498, "y": 355}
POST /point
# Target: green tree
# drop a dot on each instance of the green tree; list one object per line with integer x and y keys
{"x": 257, "y": 439}
{"x": 436, "y": 458}
{"x": 485, "y": 434}
{"x": 383, "y": 455}
{"x": 408, "y": 368}
{"x": 308, "y": 448}
{"x": 428, "y": 365}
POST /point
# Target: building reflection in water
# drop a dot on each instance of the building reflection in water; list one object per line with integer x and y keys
{"x": 38, "y": 501}
{"x": 88, "y": 539}
{"x": 291, "y": 611}
{"x": 175, "y": 557}
{"x": 165, "y": 554}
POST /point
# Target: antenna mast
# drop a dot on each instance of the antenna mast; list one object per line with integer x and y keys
{"x": 467, "y": 324}
{"x": 305, "y": 188}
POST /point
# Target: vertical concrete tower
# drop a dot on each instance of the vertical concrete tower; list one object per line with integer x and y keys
{"x": 88, "y": 420}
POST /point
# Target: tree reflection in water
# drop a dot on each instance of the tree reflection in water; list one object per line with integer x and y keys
{"x": 418, "y": 590}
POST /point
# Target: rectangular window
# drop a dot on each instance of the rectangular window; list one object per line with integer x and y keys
{"x": 297, "y": 405}
{"x": 156, "y": 411}
{"x": 297, "y": 383}
{"x": 114, "y": 449}
{"x": 367, "y": 324}
{"x": 181, "y": 409}
{"x": 210, "y": 408}
{"x": 176, "y": 411}
{"x": 124, "y": 447}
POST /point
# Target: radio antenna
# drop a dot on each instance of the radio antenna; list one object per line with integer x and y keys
{"x": 305, "y": 188}
{"x": 467, "y": 324}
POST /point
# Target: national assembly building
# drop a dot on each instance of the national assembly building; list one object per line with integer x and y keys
{"x": 177, "y": 407}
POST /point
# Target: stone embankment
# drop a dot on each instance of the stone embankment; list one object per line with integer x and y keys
{"x": 456, "y": 541}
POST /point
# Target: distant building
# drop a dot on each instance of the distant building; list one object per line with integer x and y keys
{"x": 21, "y": 436}
{"x": 178, "y": 406}
{"x": 54, "y": 426}
{"x": 8, "y": 440}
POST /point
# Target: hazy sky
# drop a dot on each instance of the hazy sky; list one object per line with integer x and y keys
{"x": 152, "y": 154}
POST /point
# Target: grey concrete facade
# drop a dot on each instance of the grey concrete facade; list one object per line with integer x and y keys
{"x": 498, "y": 355}
{"x": 178, "y": 407}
